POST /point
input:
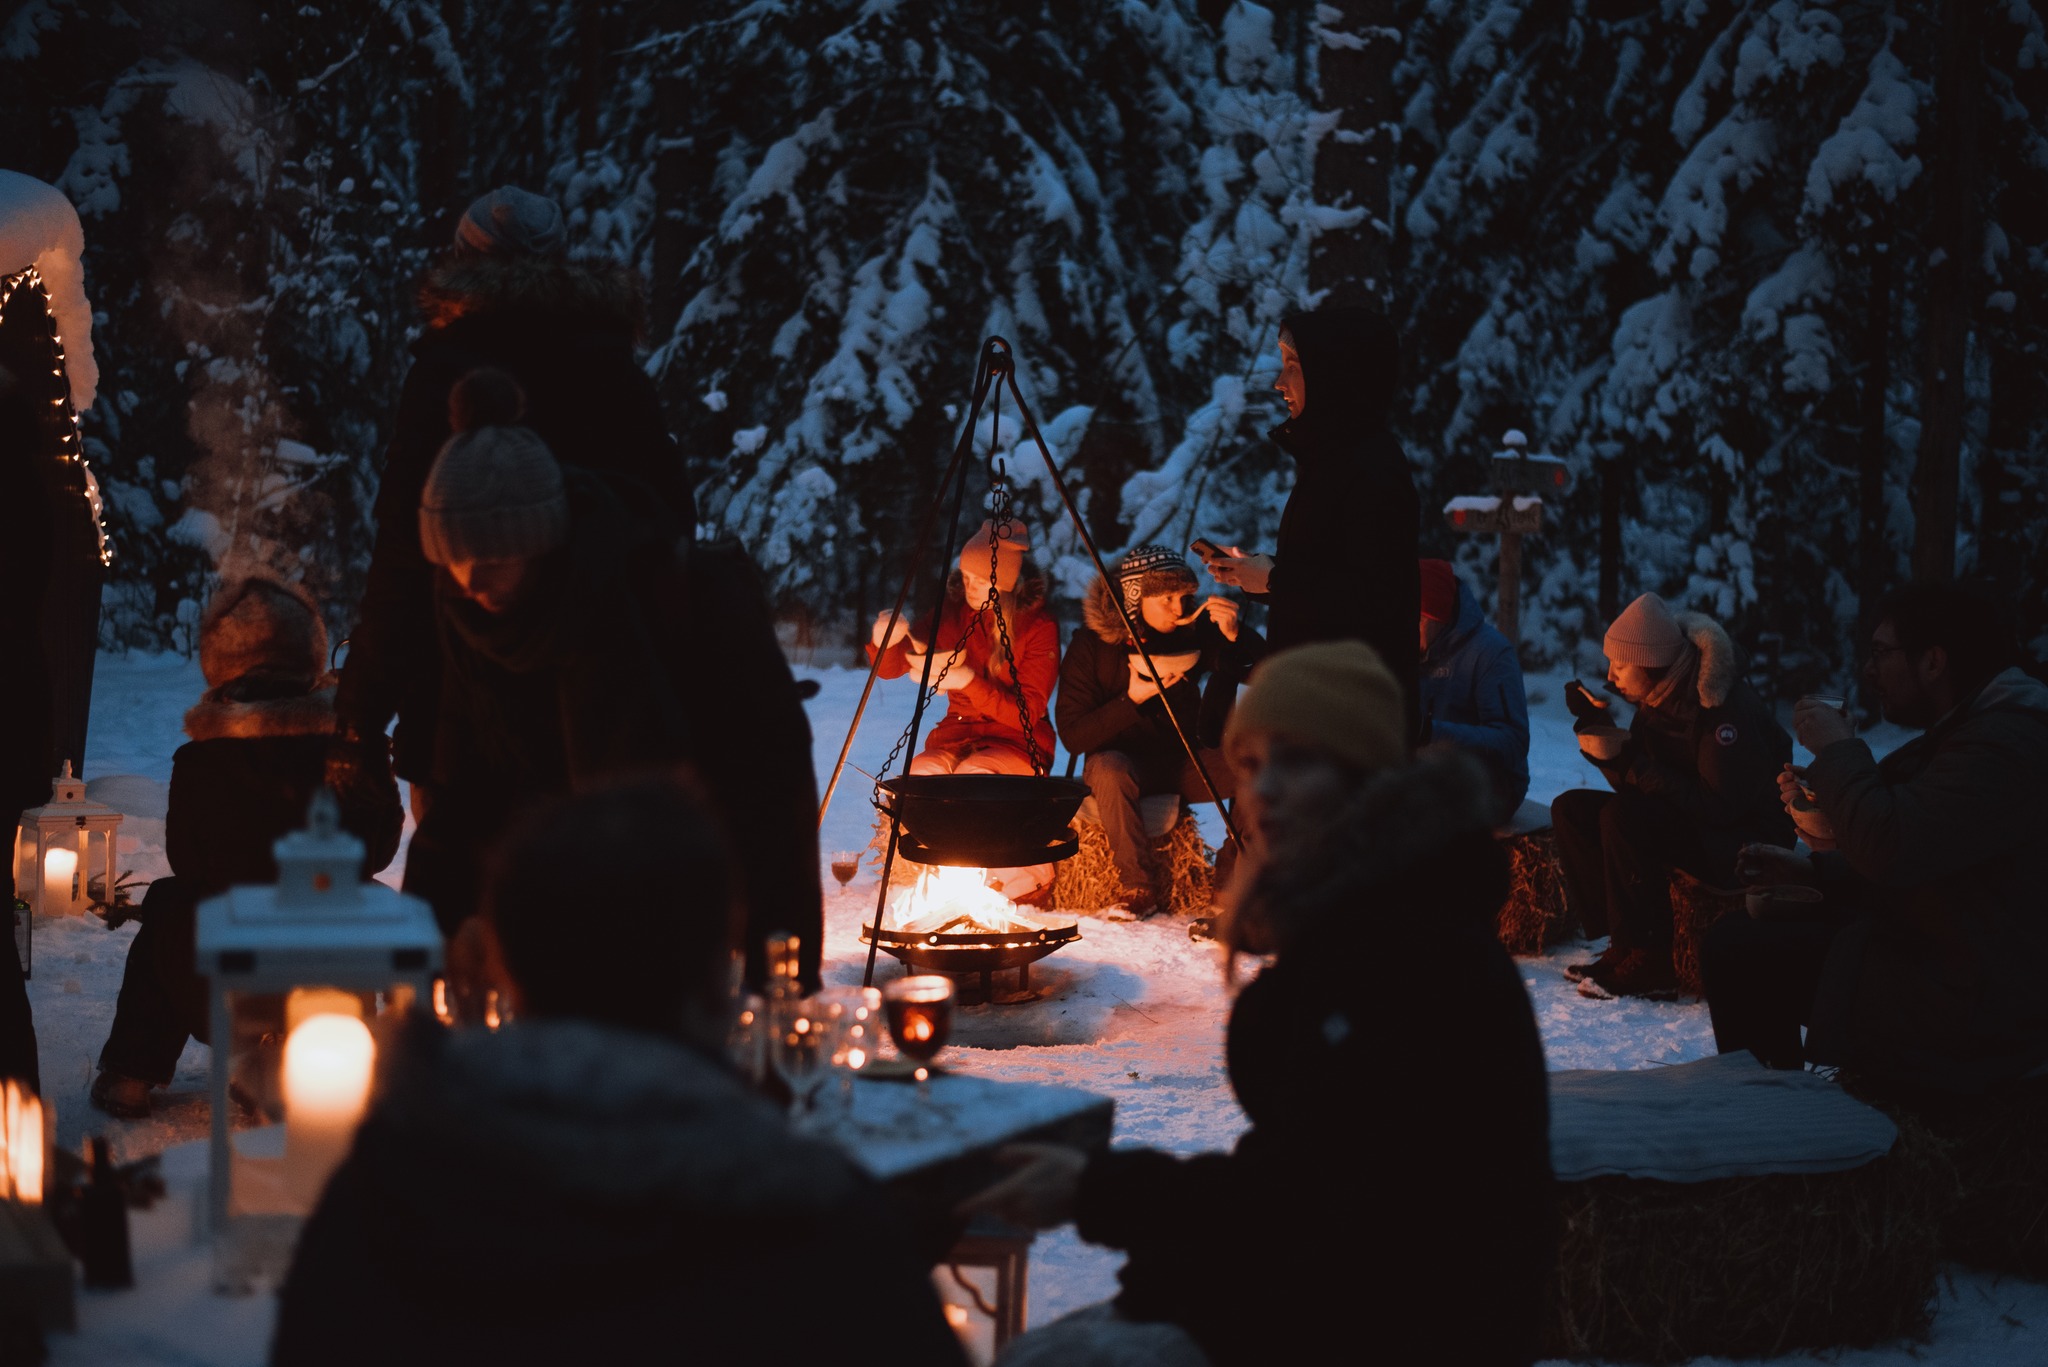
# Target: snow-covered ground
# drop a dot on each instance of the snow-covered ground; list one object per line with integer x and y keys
{"x": 1134, "y": 1011}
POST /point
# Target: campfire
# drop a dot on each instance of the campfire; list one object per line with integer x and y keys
{"x": 949, "y": 920}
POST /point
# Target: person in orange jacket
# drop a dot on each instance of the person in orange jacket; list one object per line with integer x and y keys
{"x": 982, "y": 732}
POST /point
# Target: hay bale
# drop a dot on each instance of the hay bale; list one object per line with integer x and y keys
{"x": 1695, "y": 908}
{"x": 1182, "y": 868}
{"x": 1661, "y": 1272}
{"x": 1537, "y": 913}
{"x": 1997, "y": 1147}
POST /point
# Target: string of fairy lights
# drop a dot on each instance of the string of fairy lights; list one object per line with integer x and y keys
{"x": 74, "y": 437}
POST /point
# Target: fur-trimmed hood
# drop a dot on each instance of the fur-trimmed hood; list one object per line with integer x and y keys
{"x": 1099, "y": 612}
{"x": 1401, "y": 820}
{"x": 218, "y": 717}
{"x": 1720, "y": 667}
{"x": 594, "y": 290}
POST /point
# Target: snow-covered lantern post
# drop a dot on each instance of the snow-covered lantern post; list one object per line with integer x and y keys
{"x": 56, "y": 848}
{"x": 305, "y": 979}
{"x": 1513, "y": 510}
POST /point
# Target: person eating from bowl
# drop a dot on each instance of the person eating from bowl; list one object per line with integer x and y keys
{"x": 983, "y": 731}
{"x": 1114, "y": 711}
{"x": 1400, "y": 1110}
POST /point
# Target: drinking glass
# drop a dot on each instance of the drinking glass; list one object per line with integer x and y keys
{"x": 801, "y": 1051}
{"x": 746, "y": 1042}
{"x": 920, "y": 1015}
{"x": 845, "y": 864}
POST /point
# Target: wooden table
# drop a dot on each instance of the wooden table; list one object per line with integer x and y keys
{"x": 172, "y": 1315}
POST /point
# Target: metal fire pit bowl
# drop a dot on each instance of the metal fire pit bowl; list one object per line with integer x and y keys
{"x": 982, "y": 953}
{"x": 984, "y": 820}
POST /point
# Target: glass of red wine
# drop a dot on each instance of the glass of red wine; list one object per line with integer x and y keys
{"x": 845, "y": 864}
{"x": 920, "y": 1014}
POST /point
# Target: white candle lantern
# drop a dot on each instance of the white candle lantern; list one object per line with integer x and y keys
{"x": 57, "y": 849}
{"x": 306, "y": 979}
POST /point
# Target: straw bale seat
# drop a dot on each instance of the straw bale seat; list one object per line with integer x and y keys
{"x": 1996, "y": 1148}
{"x": 1537, "y": 913}
{"x": 1719, "y": 1207}
{"x": 1695, "y": 909}
{"x": 1182, "y": 865}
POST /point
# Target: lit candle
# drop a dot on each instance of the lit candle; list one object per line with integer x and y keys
{"x": 327, "y": 1061}
{"x": 60, "y": 871}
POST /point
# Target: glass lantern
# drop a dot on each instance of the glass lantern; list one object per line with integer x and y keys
{"x": 55, "y": 855}
{"x": 306, "y": 981}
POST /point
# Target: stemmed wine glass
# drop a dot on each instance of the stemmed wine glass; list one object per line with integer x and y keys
{"x": 845, "y": 864}
{"x": 809, "y": 1038}
{"x": 920, "y": 1013}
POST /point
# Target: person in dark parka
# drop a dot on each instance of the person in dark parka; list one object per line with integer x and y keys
{"x": 1694, "y": 779}
{"x": 1344, "y": 566}
{"x": 28, "y": 757}
{"x": 246, "y": 777}
{"x": 574, "y": 620}
{"x": 1922, "y": 970}
{"x": 1112, "y": 712}
{"x": 1471, "y": 682}
{"x": 593, "y": 1183}
{"x": 1328, "y": 1220}
{"x": 506, "y": 296}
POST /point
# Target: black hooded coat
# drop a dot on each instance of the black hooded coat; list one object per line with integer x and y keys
{"x": 1344, "y": 566}
{"x": 1395, "y": 1185}
{"x": 566, "y": 330}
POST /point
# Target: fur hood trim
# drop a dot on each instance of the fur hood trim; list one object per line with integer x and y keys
{"x": 596, "y": 289}
{"x": 218, "y": 718}
{"x": 1029, "y": 593}
{"x": 1400, "y": 819}
{"x": 616, "y": 1117}
{"x": 1098, "y": 610}
{"x": 1720, "y": 668}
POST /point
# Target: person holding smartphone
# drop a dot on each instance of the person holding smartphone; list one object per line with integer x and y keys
{"x": 1344, "y": 565}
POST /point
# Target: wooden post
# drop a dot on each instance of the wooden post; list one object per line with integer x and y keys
{"x": 1509, "y": 616}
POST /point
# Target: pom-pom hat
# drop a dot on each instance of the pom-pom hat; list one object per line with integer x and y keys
{"x": 495, "y": 492}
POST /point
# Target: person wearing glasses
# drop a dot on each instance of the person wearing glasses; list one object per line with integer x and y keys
{"x": 1922, "y": 966}
{"x": 1693, "y": 778}
{"x": 1112, "y": 709}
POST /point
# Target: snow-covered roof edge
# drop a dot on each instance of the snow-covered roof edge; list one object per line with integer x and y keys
{"x": 39, "y": 228}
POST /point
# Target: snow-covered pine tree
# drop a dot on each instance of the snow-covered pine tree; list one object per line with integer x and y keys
{"x": 924, "y": 176}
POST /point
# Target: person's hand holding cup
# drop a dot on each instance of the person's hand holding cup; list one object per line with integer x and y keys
{"x": 1821, "y": 719}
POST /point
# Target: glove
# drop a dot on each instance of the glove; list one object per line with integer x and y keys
{"x": 359, "y": 771}
{"x": 882, "y": 625}
{"x": 1583, "y": 705}
{"x": 958, "y": 677}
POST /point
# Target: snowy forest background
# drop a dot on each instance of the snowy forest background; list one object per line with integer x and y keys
{"x": 1729, "y": 260}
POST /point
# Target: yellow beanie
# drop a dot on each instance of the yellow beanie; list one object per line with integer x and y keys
{"x": 1336, "y": 695}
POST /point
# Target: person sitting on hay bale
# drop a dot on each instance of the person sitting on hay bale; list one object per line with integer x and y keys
{"x": 1694, "y": 781}
{"x": 1356, "y": 857}
{"x": 594, "y": 1178}
{"x": 1114, "y": 712}
{"x": 1471, "y": 687}
{"x": 1925, "y": 972}
{"x": 982, "y": 732}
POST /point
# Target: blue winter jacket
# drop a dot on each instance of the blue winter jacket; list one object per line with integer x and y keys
{"x": 1472, "y": 696}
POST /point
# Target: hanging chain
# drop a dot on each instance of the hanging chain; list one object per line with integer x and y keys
{"x": 1000, "y": 520}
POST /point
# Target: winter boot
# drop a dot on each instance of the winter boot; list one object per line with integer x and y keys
{"x": 1643, "y": 973}
{"x": 121, "y": 1096}
{"x": 1601, "y": 963}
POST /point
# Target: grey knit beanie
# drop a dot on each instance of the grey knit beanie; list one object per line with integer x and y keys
{"x": 495, "y": 491}
{"x": 510, "y": 220}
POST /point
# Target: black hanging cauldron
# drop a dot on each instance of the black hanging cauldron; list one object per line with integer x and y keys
{"x": 983, "y": 821}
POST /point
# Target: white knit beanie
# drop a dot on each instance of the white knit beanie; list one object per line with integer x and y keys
{"x": 495, "y": 491}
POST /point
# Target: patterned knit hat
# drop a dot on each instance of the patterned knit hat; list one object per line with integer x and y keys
{"x": 495, "y": 491}
{"x": 510, "y": 221}
{"x": 1146, "y": 571}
